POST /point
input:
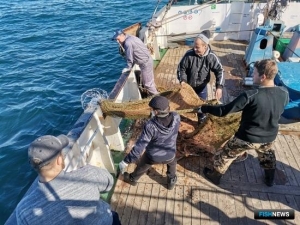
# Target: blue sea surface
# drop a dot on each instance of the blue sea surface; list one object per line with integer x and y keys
{"x": 51, "y": 52}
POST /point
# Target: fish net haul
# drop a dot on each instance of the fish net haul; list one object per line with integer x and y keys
{"x": 193, "y": 139}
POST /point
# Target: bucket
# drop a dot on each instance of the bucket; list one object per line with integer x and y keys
{"x": 189, "y": 41}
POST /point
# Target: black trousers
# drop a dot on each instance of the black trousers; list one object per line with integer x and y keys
{"x": 145, "y": 163}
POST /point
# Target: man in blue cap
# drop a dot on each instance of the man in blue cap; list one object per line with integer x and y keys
{"x": 137, "y": 53}
{"x": 159, "y": 141}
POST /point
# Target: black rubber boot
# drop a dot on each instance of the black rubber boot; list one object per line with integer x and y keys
{"x": 128, "y": 179}
{"x": 269, "y": 177}
{"x": 171, "y": 183}
{"x": 212, "y": 175}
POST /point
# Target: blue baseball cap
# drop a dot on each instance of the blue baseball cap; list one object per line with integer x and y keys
{"x": 117, "y": 33}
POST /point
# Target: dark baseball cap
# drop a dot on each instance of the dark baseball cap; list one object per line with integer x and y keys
{"x": 159, "y": 102}
{"x": 46, "y": 148}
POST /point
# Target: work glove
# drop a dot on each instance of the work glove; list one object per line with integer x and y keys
{"x": 122, "y": 166}
{"x": 125, "y": 70}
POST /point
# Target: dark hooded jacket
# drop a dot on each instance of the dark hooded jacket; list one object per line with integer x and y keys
{"x": 158, "y": 140}
{"x": 195, "y": 70}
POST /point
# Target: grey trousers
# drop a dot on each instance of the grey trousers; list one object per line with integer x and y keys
{"x": 145, "y": 163}
{"x": 148, "y": 77}
{"x": 236, "y": 147}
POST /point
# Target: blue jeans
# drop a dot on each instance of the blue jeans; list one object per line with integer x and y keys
{"x": 201, "y": 91}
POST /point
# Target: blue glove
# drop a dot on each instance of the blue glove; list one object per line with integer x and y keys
{"x": 122, "y": 166}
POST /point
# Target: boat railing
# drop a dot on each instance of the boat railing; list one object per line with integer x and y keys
{"x": 94, "y": 135}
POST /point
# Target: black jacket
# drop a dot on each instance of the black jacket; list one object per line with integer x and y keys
{"x": 159, "y": 141}
{"x": 195, "y": 69}
{"x": 261, "y": 110}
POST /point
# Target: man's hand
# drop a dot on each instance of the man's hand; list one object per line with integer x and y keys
{"x": 122, "y": 166}
{"x": 218, "y": 94}
{"x": 125, "y": 70}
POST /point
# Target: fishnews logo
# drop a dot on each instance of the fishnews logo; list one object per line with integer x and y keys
{"x": 274, "y": 214}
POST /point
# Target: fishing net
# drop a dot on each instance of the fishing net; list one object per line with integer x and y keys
{"x": 193, "y": 139}
{"x": 182, "y": 100}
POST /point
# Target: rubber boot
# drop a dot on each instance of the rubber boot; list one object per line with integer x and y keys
{"x": 128, "y": 179}
{"x": 171, "y": 183}
{"x": 212, "y": 175}
{"x": 269, "y": 177}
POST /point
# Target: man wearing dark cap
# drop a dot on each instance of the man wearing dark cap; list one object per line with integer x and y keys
{"x": 195, "y": 66}
{"x": 137, "y": 53}
{"x": 59, "y": 197}
{"x": 158, "y": 139}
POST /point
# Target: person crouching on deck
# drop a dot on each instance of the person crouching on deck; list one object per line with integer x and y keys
{"x": 158, "y": 138}
{"x": 261, "y": 110}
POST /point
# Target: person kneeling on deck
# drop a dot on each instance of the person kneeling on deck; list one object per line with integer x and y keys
{"x": 158, "y": 138}
{"x": 59, "y": 197}
{"x": 261, "y": 110}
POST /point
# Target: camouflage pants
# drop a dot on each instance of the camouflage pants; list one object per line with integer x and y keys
{"x": 236, "y": 147}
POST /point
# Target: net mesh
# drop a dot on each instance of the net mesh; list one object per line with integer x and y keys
{"x": 193, "y": 138}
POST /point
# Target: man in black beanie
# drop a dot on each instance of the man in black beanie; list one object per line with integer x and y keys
{"x": 158, "y": 139}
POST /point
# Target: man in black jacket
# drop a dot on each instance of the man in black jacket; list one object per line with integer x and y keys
{"x": 158, "y": 139}
{"x": 195, "y": 66}
{"x": 261, "y": 110}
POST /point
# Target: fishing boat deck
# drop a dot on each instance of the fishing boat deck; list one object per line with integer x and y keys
{"x": 194, "y": 200}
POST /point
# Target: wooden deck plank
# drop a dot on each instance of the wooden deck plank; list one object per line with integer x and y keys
{"x": 204, "y": 207}
{"x": 144, "y": 211}
{"x": 169, "y": 216}
{"x": 230, "y": 208}
{"x": 122, "y": 199}
{"x": 240, "y": 207}
{"x": 178, "y": 207}
{"x": 288, "y": 164}
{"x": 195, "y": 195}
{"x": 129, "y": 204}
{"x": 161, "y": 206}
{"x": 222, "y": 203}
{"x": 194, "y": 200}
{"x": 214, "y": 211}
{"x": 134, "y": 216}
{"x": 152, "y": 210}
{"x": 187, "y": 206}
{"x": 279, "y": 164}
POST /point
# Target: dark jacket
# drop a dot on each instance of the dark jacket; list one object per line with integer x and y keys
{"x": 261, "y": 110}
{"x": 159, "y": 141}
{"x": 195, "y": 69}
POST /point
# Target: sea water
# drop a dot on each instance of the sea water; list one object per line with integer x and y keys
{"x": 51, "y": 52}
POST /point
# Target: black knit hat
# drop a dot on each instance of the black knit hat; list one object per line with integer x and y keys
{"x": 159, "y": 102}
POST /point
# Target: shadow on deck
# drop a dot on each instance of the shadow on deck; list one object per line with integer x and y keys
{"x": 194, "y": 200}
